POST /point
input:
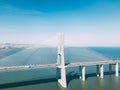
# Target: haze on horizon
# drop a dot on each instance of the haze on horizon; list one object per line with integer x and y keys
{"x": 84, "y": 22}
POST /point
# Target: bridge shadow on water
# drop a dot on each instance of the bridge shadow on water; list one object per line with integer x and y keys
{"x": 70, "y": 76}
{"x": 26, "y": 83}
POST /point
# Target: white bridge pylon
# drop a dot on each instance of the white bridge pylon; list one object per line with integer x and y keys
{"x": 61, "y": 67}
{"x": 61, "y": 62}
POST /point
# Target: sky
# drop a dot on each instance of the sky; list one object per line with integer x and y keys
{"x": 84, "y": 22}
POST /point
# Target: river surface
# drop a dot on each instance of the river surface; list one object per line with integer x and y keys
{"x": 45, "y": 79}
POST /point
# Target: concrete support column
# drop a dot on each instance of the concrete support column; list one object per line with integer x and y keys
{"x": 80, "y": 71}
{"x": 117, "y": 69}
{"x": 97, "y": 70}
{"x": 101, "y": 71}
{"x": 110, "y": 68}
{"x": 62, "y": 81}
{"x": 83, "y": 73}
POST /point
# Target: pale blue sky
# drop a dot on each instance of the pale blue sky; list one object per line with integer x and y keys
{"x": 84, "y": 22}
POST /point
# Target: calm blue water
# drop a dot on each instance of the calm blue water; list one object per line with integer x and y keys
{"x": 44, "y": 79}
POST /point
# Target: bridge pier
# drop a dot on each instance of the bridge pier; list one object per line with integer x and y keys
{"x": 101, "y": 71}
{"x": 117, "y": 69}
{"x": 97, "y": 70}
{"x": 83, "y": 72}
{"x": 62, "y": 80}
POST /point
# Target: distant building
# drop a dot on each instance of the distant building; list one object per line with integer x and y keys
{"x": 5, "y": 46}
{"x": 10, "y": 45}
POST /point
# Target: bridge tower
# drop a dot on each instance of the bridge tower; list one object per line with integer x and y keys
{"x": 61, "y": 62}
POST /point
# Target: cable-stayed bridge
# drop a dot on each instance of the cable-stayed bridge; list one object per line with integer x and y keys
{"x": 61, "y": 66}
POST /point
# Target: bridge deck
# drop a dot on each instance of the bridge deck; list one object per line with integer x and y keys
{"x": 92, "y": 63}
{"x": 27, "y": 67}
{"x": 55, "y": 65}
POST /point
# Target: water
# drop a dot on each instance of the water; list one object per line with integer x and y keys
{"x": 44, "y": 79}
